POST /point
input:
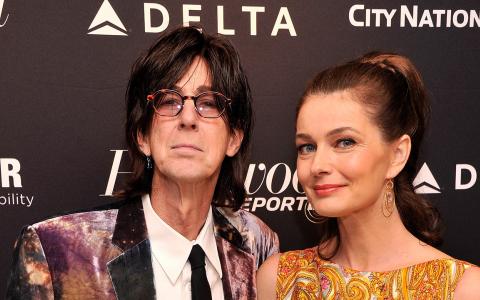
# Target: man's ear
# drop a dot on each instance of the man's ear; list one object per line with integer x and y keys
{"x": 234, "y": 142}
{"x": 399, "y": 155}
{"x": 143, "y": 143}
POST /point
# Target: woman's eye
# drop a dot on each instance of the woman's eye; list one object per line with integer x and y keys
{"x": 306, "y": 148}
{"x": 345, "y": 143}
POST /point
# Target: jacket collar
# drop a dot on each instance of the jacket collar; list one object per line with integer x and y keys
{"x": 238, "y": 263}
{"x": 131, "y": 272}
{"x": 130, "y": 228}
{"x": 225, "y": 229}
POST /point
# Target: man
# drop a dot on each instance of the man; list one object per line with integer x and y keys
{"x": 180, "y": 232}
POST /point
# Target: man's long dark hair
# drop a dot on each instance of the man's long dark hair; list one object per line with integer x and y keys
{"x": 161, "y": 67}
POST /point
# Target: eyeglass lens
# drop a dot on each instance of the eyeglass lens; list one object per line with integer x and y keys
{"x": 208, "y": 104}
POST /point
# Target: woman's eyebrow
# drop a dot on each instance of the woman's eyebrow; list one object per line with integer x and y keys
{"x": 341, "y": 130}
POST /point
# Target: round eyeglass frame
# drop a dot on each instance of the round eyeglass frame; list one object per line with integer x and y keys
{"x": 151, "y": 98}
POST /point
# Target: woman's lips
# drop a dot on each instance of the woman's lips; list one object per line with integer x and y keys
{"x": 327, "y": 189}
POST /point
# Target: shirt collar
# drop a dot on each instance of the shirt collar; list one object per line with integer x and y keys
{"x": 171, "y": 249}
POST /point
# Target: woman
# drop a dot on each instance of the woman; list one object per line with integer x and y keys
{"x": 359, "y": 130}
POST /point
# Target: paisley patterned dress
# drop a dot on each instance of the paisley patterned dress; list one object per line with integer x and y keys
{"x": 303, "y": 275}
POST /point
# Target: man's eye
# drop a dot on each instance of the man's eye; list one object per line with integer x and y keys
{"x": 210, "y": 103}
{"x": 306, "y": 148}
{"x": 170, "y": 101}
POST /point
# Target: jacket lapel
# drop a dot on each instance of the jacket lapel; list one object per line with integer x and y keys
{"x": 238, "y": 270}
{"x": 131, "y": 272}
{"x": 238, "y": 265}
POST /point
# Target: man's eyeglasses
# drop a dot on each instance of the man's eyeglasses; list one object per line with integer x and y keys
{"x": 170, "y": 103}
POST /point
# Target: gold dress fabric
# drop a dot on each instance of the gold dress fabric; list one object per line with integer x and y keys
{"x": 303, "y": 275}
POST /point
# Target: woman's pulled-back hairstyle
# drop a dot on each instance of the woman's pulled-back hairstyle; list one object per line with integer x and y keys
{"x": 161, "y": 67}
{"x": 392, "y": 91}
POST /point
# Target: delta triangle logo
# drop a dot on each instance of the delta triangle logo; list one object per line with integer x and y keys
{"x": 424, "y": 182}
{"x": 107, "y": 22}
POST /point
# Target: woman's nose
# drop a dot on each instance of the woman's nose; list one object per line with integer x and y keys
{"x": 321, "y": 162}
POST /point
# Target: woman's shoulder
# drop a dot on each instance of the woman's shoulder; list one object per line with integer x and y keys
{"x": 289, "y": 261}
{"x": 267, "y": 277}
{"x": 468, "y": 281}
{"x": 277, "y": 274}
{"x": 451, "y": 269}
{"x": 302, "y": 256}
{"x": 298, "y": 261}
{"x": 460, "y": 277}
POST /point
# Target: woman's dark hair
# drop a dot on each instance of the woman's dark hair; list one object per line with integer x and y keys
{"x": 161, "y": 67}
{"x": 393, "y": 93}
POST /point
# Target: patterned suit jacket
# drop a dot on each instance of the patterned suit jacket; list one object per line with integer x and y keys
{"x": 105, "y": 254}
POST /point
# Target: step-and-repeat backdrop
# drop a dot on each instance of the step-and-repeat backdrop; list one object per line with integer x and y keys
{"x": 64, "y": 66}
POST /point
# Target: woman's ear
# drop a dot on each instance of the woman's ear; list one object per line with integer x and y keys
{"x": 399, "y": 155}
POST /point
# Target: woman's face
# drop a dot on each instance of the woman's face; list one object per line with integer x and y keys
{"x": 343, "y": 160}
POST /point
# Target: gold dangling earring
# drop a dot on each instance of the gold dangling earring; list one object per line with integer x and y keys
{"x": 312, "y": 216}
{"x": 388, "y": 199}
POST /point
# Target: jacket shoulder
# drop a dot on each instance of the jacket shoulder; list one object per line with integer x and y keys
{"x": 256, "y": 236}
{"x": 85, "y": 231}
{"x": 29, "y": 274}
{"x": 99, "y": 217}
{"x": 243, "y": 219}
{"x": 66, "y": 255}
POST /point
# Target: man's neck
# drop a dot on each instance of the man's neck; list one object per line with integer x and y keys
{"x": 184, "y": 207}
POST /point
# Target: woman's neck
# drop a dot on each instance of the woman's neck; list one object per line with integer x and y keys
{"x": 369, "y": 241}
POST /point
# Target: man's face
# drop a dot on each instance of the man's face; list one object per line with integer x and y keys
{"x": 188, "y": 147}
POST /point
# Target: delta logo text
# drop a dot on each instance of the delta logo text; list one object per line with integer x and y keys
{"x": 10, "y": 178}
{"x": 413, "y": 16}
{"x": 157, "y": 19}
{"x": 276, "y": 187}
{"x": 3, "y": 19}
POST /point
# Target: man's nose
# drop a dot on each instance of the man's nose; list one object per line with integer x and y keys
{"x": 189, "y": 116}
